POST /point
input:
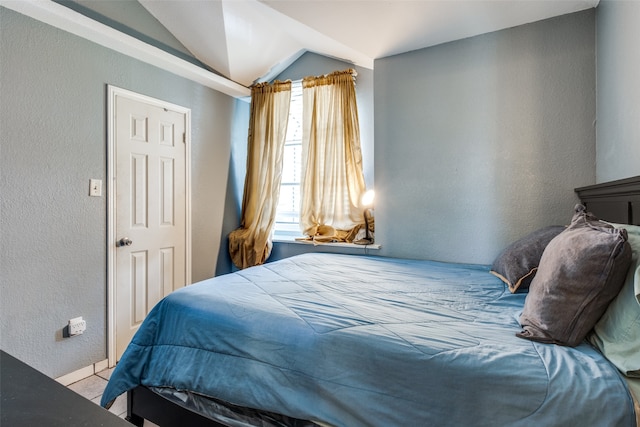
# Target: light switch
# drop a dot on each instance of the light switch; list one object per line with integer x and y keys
{"x": 95, "y": 187}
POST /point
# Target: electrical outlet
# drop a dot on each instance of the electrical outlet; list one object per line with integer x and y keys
{"x": 77, "y": 326}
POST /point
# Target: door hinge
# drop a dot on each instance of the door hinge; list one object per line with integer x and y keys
{"x": 184, "y": 137}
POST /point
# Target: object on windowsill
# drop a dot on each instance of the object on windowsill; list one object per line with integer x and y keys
{"x": 369, "y": 227}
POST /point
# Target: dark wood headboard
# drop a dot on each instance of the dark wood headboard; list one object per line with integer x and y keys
{"x": 614, "y": 201}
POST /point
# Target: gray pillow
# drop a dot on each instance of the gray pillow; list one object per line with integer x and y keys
{"x": 517, "y": 264}
{"x": 580, "y": 272}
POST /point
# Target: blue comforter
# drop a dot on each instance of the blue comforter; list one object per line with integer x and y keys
{"x": 369, "y": 341}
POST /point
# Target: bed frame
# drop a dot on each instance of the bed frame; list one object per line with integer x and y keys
{"x": 143, "y": 404}
{"x": 615, "y": 201}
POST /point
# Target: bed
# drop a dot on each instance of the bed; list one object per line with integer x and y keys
{"x": 346, "y": 340}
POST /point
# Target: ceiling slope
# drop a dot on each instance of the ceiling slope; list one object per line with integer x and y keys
{"x": 249, "y": 41}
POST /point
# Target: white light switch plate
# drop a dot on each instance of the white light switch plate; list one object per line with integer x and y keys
{"x": 95, "y": 187}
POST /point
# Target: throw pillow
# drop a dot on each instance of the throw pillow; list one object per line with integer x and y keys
{"x": 581, "y": 271}
{"x": 517, "y": 264}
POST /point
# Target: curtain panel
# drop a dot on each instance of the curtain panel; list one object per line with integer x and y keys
{"x": 251, "y": 244}
{"x": 332, "y": 180}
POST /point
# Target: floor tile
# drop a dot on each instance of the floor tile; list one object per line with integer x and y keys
{"x": 90, "y": 387}
{"x": 119, "y": 406}
{"x": 106, "y": 374}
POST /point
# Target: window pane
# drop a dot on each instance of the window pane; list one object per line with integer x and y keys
{"x": 288, "y": 211}
{"x": 294, "y": 126}
{"x": 289, "y": 204}
{"x": 291, "y": 164}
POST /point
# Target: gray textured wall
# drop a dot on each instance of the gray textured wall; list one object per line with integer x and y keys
{"x": 53, "y": 140}
{"x": 618, "y": 105}
{"x": 235, "y": 185}
{"x": 482, "y": 140}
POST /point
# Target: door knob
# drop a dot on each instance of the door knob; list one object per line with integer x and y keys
{"x": 125, "y": 241}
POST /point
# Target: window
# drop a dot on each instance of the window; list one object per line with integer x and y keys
{"x": 288, "y": 211}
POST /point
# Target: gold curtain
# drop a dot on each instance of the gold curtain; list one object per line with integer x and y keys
{"x": 251, "y": 244}
{"x": 332, "y": 180}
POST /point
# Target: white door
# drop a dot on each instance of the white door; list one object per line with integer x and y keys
{"x": 150, "y": 208}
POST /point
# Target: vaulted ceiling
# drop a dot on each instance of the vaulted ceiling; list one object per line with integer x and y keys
{"x": 253, "y": 40}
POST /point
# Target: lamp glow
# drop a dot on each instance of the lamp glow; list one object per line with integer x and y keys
{"x": 367, "y": 202}
{"x": 367, "y": 198}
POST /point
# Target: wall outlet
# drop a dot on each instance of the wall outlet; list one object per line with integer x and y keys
{"x": 77, "y": 326}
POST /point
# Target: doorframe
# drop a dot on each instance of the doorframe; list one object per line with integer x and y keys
{"x": 113, "y": 93}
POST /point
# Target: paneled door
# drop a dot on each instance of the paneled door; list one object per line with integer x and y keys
{"x": 150, "y": 208}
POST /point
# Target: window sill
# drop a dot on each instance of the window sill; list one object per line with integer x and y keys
{"x": 292, "y": 239}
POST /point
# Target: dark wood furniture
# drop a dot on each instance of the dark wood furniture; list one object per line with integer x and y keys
{"x": 614, "y": 201}
{"x": 143, "y": 404}
{"x": 30, "y": 398}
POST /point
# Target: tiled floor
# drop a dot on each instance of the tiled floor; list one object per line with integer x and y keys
{"x": 92, "y": 388}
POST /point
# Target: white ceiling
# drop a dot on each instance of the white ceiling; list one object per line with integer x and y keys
{"x": 253, "y": 40}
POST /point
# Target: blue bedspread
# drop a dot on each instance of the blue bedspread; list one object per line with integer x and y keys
{"x": 369, "y": 341}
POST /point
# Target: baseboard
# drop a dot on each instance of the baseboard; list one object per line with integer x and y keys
{"x": 83, "y": 373}
{"x": 101, "y": 366}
